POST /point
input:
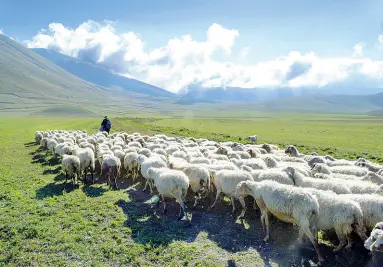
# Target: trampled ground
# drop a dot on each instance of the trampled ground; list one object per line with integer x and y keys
{"x": 46, "y": 223}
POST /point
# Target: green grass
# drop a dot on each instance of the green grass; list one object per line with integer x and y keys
{"x": 45, "y": 223}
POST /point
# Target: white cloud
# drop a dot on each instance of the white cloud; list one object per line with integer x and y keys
{"x": 358, "y": 50}
{"x": 1, "y": 31}
{"x": 184, "y": 61}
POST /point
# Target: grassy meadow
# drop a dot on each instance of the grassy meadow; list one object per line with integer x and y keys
{"x": 44, "y": 222}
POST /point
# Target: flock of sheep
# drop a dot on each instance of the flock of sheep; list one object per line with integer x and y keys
{"x": 314, "y": 192}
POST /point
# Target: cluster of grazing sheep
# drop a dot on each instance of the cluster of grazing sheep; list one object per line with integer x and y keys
{"x": 312, "y": 191}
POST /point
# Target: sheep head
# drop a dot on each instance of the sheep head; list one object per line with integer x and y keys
{"x": 266, "y": 147}
{"x": 243, "y": 189}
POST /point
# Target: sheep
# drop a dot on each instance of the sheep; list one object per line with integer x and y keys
{"x": 44, "y": 143}
{"x": 198, "y": 177}
{"x": 160, "y": 151}
{"x": 86, "y": 156}
{"x": 155, "y": 162}
{"x": 111, "y": 169}
{"x": 51, "y": 145}
{"x": 280, "y": 176}
{"x": 170, "y": 183}
{"x": 225, "y": 181}
{"x": 374, "y": 178}
{"x": 145, "y": 151}
{"x": 350, "y": 170}
{"x": 199, "y": 160}
{"x": 292, "y": 151}
{"x": 372, "y": 206}
{"x": 302, "y": 181}
{"x": 287, "y": 203}
{"x": 339, "y": 213}
{"x": 340, "y": 162}
{"x": 252, "y": 138}
{"x": 272, "y": 163}
{"x": 70, "y": 165}
{"x": 38, "y": 137}
{"x": 371, "y": 167}
{"x": 375, "y": 241}
{"x": 131, "y": 164}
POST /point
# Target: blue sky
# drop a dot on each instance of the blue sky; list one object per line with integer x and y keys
{"x": 267, "y": 29}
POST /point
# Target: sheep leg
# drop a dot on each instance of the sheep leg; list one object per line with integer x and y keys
{"x": 314, "y": 241}
{"x": 266, "y": 218}
{"x": 115, "y": 181}
{"x": 163, "y": 200}
{"x": 216, "y": 198}
{"x": 341, "y": 238}
{"x": 92, "y": 176}
{"x": 73, "y": 180}
{"x": 196, "y": 197}
{"x": 233, "y": 204}
{"x": 242, "y": 201}
{"x": 66, "y": 177}
{"x": 183, "y": 208}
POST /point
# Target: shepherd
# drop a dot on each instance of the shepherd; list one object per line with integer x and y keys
{"x": 106, "y": 125}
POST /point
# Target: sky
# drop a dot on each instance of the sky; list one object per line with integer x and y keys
{"x": 243, "y": 43}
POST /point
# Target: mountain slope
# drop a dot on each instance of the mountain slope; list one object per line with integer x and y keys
{"x": 29, "y": 79}
{"x": 99, "y": 75}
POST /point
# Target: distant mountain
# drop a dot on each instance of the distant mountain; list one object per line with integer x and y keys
{"x": 195, "y": 94}
{"x": 371, "y": 104}
{"x": 99, "y": 75}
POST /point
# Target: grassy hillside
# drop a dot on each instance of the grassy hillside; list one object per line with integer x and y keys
{"x": 99, "y": 75}
{"x": 47, "y": 223}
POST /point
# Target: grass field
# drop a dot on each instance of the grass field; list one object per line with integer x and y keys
{"x": 45, "y": 223}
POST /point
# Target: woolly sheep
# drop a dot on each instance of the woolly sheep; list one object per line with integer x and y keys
{"x": 111, "y": 169}
{"x": 252, "y": 138}
{"x": 170, "y": 183}
{"x": 38, "y": 136}
{"x": 131, "y": 164}
{"x": 225, "y": 181}
{"x": 86, "y": 156}
{"x": 375, "y": 241}
{"x": 278, "y": 175}
{"x": 70, "y": 165}
{"x": 350, "y": 170}
{"x": 374, "y": 178}
{"x": 145, "y": 151}
{"x": 154, "y": 162}
{"x": 370, "y": 166}
{"x": 302, "y": 181}
{"x": 199, "y": 177}
{"x": 287, "y": 203}
{"x": 339, "y": 213}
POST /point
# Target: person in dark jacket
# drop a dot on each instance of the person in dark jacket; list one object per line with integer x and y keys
{"x": 106, "y": 125}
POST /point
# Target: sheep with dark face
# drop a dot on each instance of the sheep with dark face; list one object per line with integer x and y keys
{"x": 252, "y": 139}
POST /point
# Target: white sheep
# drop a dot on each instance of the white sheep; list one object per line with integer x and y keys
{"x": 252, "y": 138}
{"x": 339, "y": 213}
{"x": 38, "y": 136}
{"x": 287, "y": 203}
{"x": 86, "y": 156}
{"x": 278, "y": 175}
{"x": 225, "y": 181}
{"x": 170, "y": 183}
{"x": 155, "y": 162}
{"x": 375, "y": 241}
{"x": 348, "y": 170}
{"x": 199, "y": 177}
{"x": 110, "y": 168}
{"x": 322, "y": 184}
{"x": 70, "y": 165}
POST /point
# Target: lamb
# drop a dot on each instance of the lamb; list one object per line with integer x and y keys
{"x": 170, "y": 183}
{"x": 339, "y": 213}
{"x": 287, "y": 203}
{"x": 302, "y": 181}
{"x": 86, "y": 156}
{"x": 71, "y": 166}
{"x": 154, "y": 162}
{"x": 252, "y": 138}
{"x": 225, "y": 181}
{"x": 198, "y": 177}
{"x": 131, "y": 164}
{"x": 111, "y": 169}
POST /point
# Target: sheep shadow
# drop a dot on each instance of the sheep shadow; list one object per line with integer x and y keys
{"x": 39, "y": 158}
{"x": 54, "y": 189}
{"x": 30, "y": 144}
{"x": 92, "y": 191}
{"x": 149, "y": 225}
{"x": 52, "y": 171}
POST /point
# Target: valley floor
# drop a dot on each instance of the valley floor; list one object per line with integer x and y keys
{"x": 44, "y": 222}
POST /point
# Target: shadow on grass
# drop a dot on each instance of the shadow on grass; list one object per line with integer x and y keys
{"x": 54, "y": 189}
{"x": 30, "y": 144}
{"x": 53, "y": 171}
{"x": 92, "y": 191}
{"x": 149, "y": 225}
